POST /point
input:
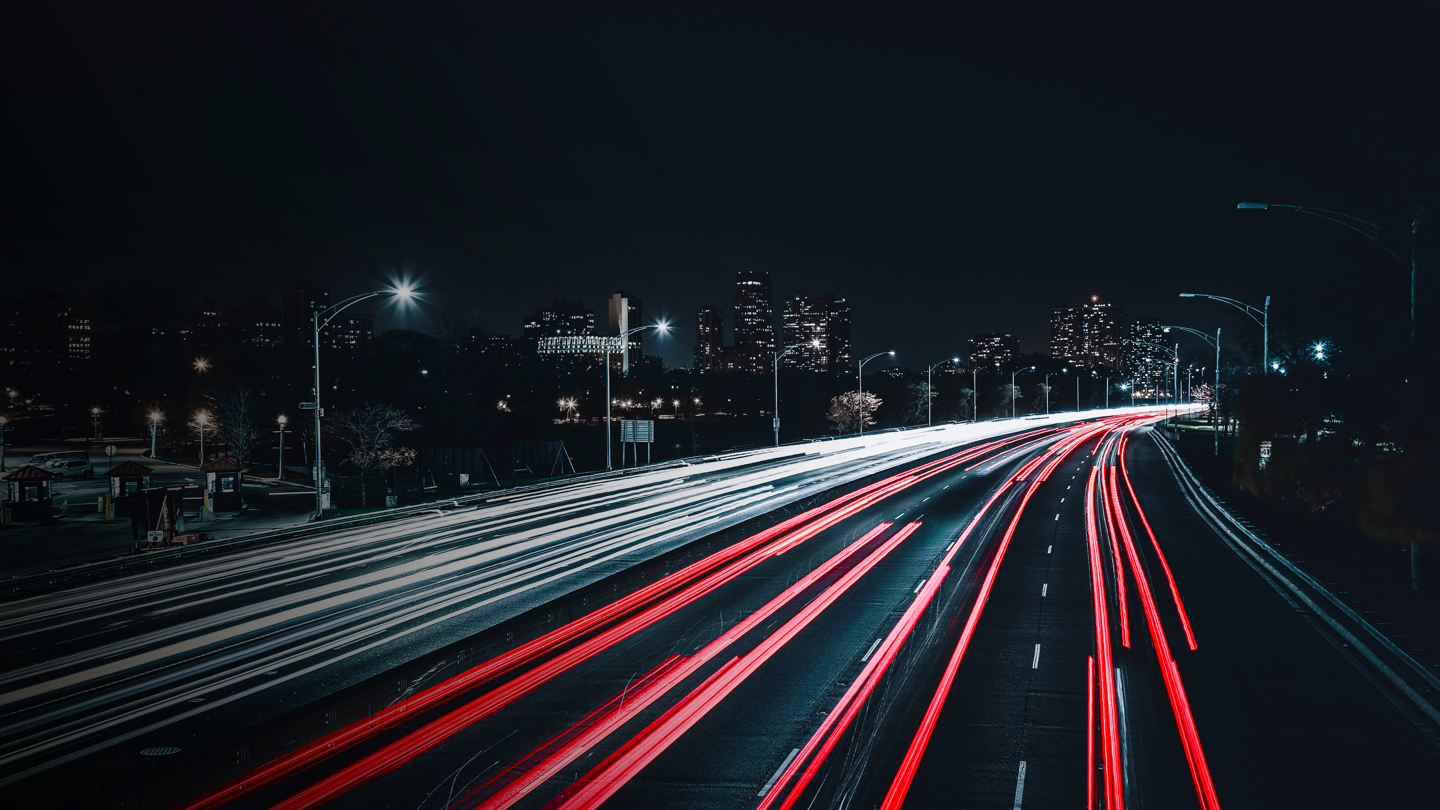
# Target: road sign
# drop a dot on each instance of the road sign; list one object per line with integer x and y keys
{"x": 109, "y": 449}
{"x": 637, "y": 430}
{"x": 307, "y": 406}
{"x": 1264, "y": 455}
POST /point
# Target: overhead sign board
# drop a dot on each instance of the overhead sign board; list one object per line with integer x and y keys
{"x": 637, "y": 430}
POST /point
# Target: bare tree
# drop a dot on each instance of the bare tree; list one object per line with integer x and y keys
{"x": 202, "y": 426}
{"x": 369, "y": 431}
{"x": 852, "y": 409}
{"x": 237, "y": 411}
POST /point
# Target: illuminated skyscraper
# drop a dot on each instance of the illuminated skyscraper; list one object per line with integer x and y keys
{"x": 754, "y": 323}
{"x": 1087, "y": 335}
{"x": 709, "y": 339}
{"x": 989, "y": 348}
{"x": 820, "y": 327}
{"x": 624, "y": 312}
{"x": 1148, "y": 367}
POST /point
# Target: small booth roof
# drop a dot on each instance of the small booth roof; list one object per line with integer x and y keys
{"x": 29, "y": 473}
{"x": 129, "y": 470}
{"x": 225, "y": 464}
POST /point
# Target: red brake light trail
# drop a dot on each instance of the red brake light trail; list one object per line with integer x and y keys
{"x": 1174, "y": 591}
{"x": 1109, "y": 734}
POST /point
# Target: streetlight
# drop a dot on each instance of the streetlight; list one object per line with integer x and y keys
{"x": 862, "y": 386}
{"x": 1107, "y": 391}
{"x": 281, "y": 420}
{"x": 1048, "y": 375}
{"x": 1370, "y": 231}
{"x": 404, "y": 292}
{"x": 1263, "y": 318}
{"x": 155, "y": 417}
{"x": 95, "y": 418}
{"x": 202, "y": 422}
{"x": 619, "y": 340}
{"x": 1215, "y": 403}
{"x": 4, "y": 426}
{"x": 201, "y": 365}
{"x": 814, "y": 344}
{"x": 1127, "y": 386}
{"x": 928, "y": 395}
{"x": 1012, "y": 388}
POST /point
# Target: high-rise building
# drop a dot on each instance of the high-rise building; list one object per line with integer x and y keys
{"x": 45, "y": 331}
{"x": 820, "y": 328}
{"x": 807, "y": 330}
{"x": 754, "y": 322}
{"x": 562, "y": 317}
{"x": 624, "y": 315}
{"x": 1147, "y": 364}
{"x": 837, "y": 334}
{"x": 989, "y": 348}
{"x": 1087, "y": 335}
{"x": 348, "y": 331}
{"x": 256, "y": 323}
{"x": 709, "y": 340}
{"x": 298, "y": 306}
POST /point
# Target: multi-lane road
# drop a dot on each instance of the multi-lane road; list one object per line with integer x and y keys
{"x": 1054, "y": 617}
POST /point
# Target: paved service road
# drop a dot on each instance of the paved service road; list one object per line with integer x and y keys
{"x": 1056, "y": 618}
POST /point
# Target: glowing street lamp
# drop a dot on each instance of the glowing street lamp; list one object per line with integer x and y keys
{"x": 202, "y": 423}
{"x": 155, "y": 417}
{"x": 201, "y": 365}
{"x": 619, "y": 340}
{"x": 862, "y": 386}
{"x": 928, "y": 395}
{"x": 814, "y": 344}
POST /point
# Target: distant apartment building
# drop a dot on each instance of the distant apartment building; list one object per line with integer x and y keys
{"x": 256, "y": 323}
{"x": 754, "y": 323}
{"x": 43, "y": 330}
{"x": 820, "y": 329}
{"x": 709, "y": 340}
{"x": 298, "y": 304}
{"x": 1147, "y": 363}
{"x": 562, "y": 317}
{"x": 1087, "y": 335}
{"x": 625, "y": 314}
{"x": 990, "y": 348}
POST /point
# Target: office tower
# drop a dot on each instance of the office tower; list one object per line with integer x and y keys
{"x": 298, "y": 306}
{"x": 1087, "y": 335}
{"x": 709, "y": 340}
{"x": 807, "y": 330}
{"x": 1147, "y": 363}
{"x": 624, "y": 315}
{"x": 754, "y": 322}
{"x": 837, "y": 334}
{"x": 989, "y": 348}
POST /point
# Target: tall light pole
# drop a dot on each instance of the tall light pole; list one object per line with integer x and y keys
{"x": 1012, "y": 388}
{"x": 321, "y": 319}
{"x": 4, "y": 426}
{"x": 1260, "y": 316}
{"x": 1370, "y": 231}
{"x": 95, "y": 418}
{"x": 974, "y": 392}
{"x": 814, "y": 344}
{"x": 619, "y": 340}
{"x": 155, "y": 417}
{"x": 281, "y": 420}
{"x": 861, "y": 376}
{"x": 1215, "y": 403}
{"x": 928, "y": 395}
{"x": 202, "y": 422}
{"x": 1107, "y": 391}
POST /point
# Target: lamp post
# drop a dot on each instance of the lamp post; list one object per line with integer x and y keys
{"x": 928, "y": 395}
{"x": 1127, "y": 386}
{"x": 814, "y": 344}
{"x": 1215, "y": 403}
{"x": 4, "y": 426}
{"x": 95, "y": 419}
{"x": 861, "y": 381}
{"x": 1107, "y": 391}
{"x": 202, "y": 421}
{"x": 974, "y": 392}
{"x": 281, "y": 420}
{"x": 609, "y": 347}
{"x": 321, "y": 319}
{"x": 1260, "y": 316}
{"x": 1370, "y": 231}
{"x": 154, "y": 431}
{"x": 1012, "y": 388}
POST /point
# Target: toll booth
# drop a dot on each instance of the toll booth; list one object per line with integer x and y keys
{"x": 28, "y": 489}
{"x": 126, "y": 481}
{"x": 222, "y": 486}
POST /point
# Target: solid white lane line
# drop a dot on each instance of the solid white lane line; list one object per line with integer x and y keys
{"x": 1036, "y": 663}
{"x": 778, "y": 771}
{"x": 870, "y": 651}
{"x": 1044, "y": 588}
{"x": 1020, "y": 785}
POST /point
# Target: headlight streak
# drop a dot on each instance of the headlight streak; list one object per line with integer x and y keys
{"x": 602, "y": 781}
{"x": 322, "y": 748}
{"x": 1175, "y": 690}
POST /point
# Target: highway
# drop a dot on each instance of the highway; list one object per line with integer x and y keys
{"x": 1058, "y": 617}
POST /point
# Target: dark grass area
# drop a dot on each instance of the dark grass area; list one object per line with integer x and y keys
{"x": 1373, "y": 577}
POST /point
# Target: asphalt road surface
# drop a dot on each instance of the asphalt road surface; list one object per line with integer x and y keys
{"x": 1058, "y": 618}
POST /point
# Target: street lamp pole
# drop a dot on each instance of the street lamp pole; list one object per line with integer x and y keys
{"x": 861, "y": 382}
{"x": 1260, "y": 316}
{"x": 1215, "y": 400}
{"x": 328, "y": 314}
{"x": 1012, "y": 388}
{"x": 280, "y": 463}
{"x": 814, "y": 344}
{"x": 154, "y": 431}
{"x": 1370, "y": 231}
{"x": 928, "y": 396}
{"x": 609, "y": 345}
{"x": 1107, "y": 391}
{"x": 974, "y": 392}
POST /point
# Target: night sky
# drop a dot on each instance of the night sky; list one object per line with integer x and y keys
{"x": 948, "y": 171}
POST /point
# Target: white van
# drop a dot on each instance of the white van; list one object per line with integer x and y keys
{"x": 41, "y": 459}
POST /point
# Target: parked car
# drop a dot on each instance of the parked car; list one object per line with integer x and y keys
{"x": 71, "y": 468}
{"x": 46, "y": 459}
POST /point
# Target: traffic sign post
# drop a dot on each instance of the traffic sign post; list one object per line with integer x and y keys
{"x": 636, "y": 431}
{"x": 110, "y": 451}
{"x": 1264, "y": 455}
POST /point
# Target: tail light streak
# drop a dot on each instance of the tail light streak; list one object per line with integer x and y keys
{"x": 1174, "y": 591}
